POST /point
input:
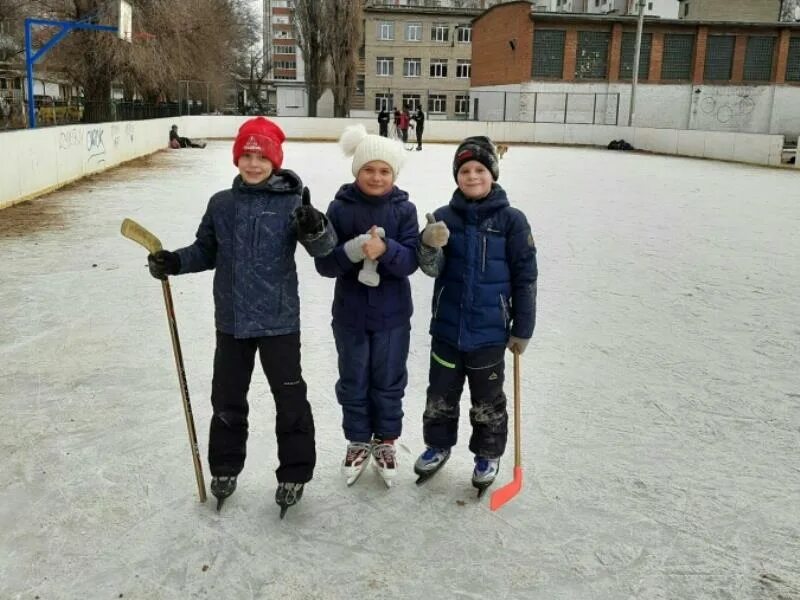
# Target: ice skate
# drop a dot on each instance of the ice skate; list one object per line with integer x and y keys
{"x": 222, "y": 487}
{"x": 288, "y": 494}
{"x": 484, "y": 474}
{"x": 385, "y": 455}
{"x": 356, "y": 460}
{"x": 430, "y": 462}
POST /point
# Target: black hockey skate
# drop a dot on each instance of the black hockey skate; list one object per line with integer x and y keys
{"x": 222, "y": 487}
{"x": 430, "y": 462}
{"x": 288, "y": 494}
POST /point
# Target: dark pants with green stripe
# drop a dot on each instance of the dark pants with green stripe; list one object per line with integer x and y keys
{"x": 485, "y": 370}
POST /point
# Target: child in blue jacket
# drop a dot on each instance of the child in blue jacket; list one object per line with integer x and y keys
{"x": 482, "y": 254}
{"x": 248, "y": 235}
{"x": 377, "y": 229}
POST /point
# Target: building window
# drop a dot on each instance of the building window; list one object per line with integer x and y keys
{"x": 719, "y": 57}
{"x": 463, "y": 68}
{"x": 685, "y": 10}
{"x": 793, "y": 60}
{"x": 548, "y": 53}
{"x": 281, "y": 35}
{"x": 592, "y": 60}
{"x": 283, "y": 50}
{"x": 384, "y": 101}
{"x": 627, "y": 55}
{"x": 439, "y": 32}
{"x": 462, "y": 105}
{"x": 464, "y": 33}
{"x": 413, "y": 32}
{"x": 438, "y": 67}
{"x": 437, "y": 103}
{"x": 385, "y": 66}
{"x": 412, "y": 67}
{"x": 411, "y": 102}
{"x": 360, "y": 85}
{"x": 758, "y": 58}
{"x": 678, "y": 53}
{"x": 284, "y": 64}
{"x": 385, "y": 30}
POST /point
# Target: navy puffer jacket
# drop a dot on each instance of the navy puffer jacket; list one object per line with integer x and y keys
{"x": 356, "y": 305}
{"x": 249, "y": 235}
{"x": 485, "y": 287}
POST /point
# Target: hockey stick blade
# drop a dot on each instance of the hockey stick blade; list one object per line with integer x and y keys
{"x": 507, "y": 492}
{"x": 133, "y": 231}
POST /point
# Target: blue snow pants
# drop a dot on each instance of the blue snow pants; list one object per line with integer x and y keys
{"x": 372, "y": 381}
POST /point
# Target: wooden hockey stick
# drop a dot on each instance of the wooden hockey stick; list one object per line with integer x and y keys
{"x": 133, "y": 231}
{"x": 508, "y": 491}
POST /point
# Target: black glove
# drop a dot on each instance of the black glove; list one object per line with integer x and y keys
{"x": 163, "y": 263}
{"x": 309, "y": 220}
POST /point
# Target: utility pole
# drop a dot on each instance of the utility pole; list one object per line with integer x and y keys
{"x": 636, "y": 58}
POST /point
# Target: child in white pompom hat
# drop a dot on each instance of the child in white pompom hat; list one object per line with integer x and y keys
{"x": 377, "y": 230}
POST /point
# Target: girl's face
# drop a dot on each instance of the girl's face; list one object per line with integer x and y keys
{"x": 375, "y": 178}
{"x": 474, "y": 180}
{"x": 254, "y": 168}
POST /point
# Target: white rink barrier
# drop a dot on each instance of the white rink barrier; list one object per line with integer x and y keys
{"x": 35, "y": 162}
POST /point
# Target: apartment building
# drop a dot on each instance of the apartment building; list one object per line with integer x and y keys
{"x": 286, "y": 92}
{"x": 417, "y": 54}
{"x": 666, "y": 9}
{"x": 745, "y": 11}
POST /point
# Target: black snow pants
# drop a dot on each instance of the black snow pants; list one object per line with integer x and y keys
{"x": 485, "y": 370}
{"x": 294, "y": 424}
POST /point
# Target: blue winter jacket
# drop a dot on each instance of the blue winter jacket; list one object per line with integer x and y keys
{"x": 356, "y": 305}
{"x": 485, "y": 287}
{"x": 249, "y": 235}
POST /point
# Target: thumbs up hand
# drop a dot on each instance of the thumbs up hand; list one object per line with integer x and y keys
{"x": 310, "y": 221}
{"x": 436, "y": 233}
{"x": 374, "y": 247}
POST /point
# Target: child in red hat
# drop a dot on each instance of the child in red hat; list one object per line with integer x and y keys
{"x": 248, "y": 235}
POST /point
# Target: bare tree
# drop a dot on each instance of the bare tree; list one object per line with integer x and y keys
{"x": 309, "y": 20}
{"x": 343, "y": 32}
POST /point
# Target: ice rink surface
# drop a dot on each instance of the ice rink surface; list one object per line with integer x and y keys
{"x": 660, "y": 420}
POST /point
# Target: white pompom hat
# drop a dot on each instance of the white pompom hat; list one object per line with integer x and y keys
{"x": 365, "y": 147}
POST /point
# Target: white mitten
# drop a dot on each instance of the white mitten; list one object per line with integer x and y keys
{"x": 368, "y": 275}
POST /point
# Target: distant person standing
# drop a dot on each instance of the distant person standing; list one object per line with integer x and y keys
{"x": 405, "y": 121}
{"x": 396, "y": 123}
{"x": 383, "y": 122}
{"x": 419, "y": 119}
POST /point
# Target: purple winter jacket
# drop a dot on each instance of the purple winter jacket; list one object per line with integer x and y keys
{"x": 355, "y": 305}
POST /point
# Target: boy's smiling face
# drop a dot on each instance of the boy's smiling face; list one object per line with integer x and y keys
{"x": 474, "y": 180}
{"x": 254, "y": 168}
{"x": 375, "y": 178}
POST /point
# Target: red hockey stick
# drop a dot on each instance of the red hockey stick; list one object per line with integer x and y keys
{"x": 508, "y": 491}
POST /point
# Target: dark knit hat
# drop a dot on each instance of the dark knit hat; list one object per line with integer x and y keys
{"x": 260, "y": 135}
{"x": 480, "y": 148}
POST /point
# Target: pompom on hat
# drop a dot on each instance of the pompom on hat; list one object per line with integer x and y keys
{"x": 480, "y": 148}
{"x": 260, "y": 135}
{"x": 365, "y": 147}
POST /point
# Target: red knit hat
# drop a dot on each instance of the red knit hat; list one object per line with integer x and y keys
{"x": 260, "y": 135}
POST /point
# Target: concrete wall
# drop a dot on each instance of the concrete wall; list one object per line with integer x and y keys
{"x": 745, "y": 109}
{"x": 38, "y": 161}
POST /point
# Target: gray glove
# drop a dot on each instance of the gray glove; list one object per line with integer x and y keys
{"x": 352, "y": 248}
{"x": 435, "y": 233}
{"x": 518, "y": 344}
{"x": 368, "y": 275}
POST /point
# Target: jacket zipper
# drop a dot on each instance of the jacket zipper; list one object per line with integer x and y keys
{"x": 438, "y": 300}
{"x": 505, "y": 310}
{"x": 483, "y": 256}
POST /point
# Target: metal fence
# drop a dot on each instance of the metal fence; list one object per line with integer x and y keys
{"x": 51, "y": 111}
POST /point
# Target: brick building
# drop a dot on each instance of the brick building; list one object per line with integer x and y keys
{"x": 550, "y": 67}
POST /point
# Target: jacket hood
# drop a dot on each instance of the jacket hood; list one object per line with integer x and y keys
{"x": 350, "y": 192}
{"x": 282, "y": 181}
{"x": 496, "y": 199}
